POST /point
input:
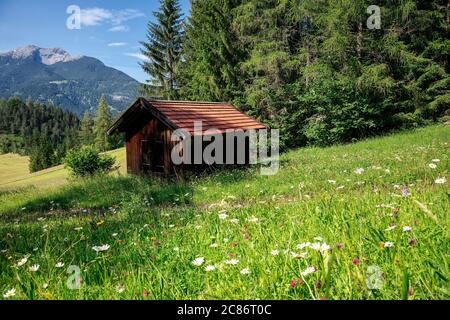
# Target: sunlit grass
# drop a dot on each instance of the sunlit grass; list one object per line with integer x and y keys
{"x": 347, "y": 197}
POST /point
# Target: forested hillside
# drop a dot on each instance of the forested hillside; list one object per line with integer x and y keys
{"x": 21, "y": 124}
{"x": 314, "y": 68}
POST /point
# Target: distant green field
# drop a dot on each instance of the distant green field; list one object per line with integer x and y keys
{"x": 368, "y": 220}
{"x": 14, "y": 172}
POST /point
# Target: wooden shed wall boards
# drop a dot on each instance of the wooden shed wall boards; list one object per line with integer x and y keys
{"x": 149, "y": 127}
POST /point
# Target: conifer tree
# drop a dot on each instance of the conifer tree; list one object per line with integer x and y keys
{"x": 163, "y": 50}
{"x": 102, "y": 123}
{"x": 86, "y": 133}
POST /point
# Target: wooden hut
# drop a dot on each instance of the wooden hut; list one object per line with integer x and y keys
{"x": 148, "y": 127}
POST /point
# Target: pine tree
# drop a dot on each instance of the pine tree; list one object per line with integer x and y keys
{"x": 86, "y": 134}
{"x": 163, "y": 50}
{"x": 103, "y": 121}
{"x": 42, "y": 154}
{"x": 212, "y": 55}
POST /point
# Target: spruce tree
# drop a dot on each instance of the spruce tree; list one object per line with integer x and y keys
{"x": 86, "y": 134}
{"x": 163, "y": 50}
{"x": 102, "y": 123}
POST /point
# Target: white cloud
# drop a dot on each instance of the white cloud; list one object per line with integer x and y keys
{"x": 117, "y": 44}
{"x": 98, "y": 16}
{"x": 120, "y": 28}
{"x": 139, "y": 56}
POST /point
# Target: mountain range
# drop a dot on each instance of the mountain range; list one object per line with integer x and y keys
{"x": 74, "y": 83}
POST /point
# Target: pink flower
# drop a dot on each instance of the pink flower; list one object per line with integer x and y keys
{"x": 356, "y": 261}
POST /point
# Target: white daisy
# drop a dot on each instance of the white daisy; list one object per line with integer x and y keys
{"x": 388, "y": 244}
{"x": 9, "y": 293}
{"x": 303, "y": 245}
{"x": 440, "y": 181}
{"x": 198, "y": 261}
{"x": 245, "y": 271}
{"x": 308, "y": 271}
{"x": 390, "y": 228}
{"x": 102, "y": 248}
{"x": 232, "y": 262}
{"x": 275, "y": 252}
{"x": 22, "y": 261}
{"x": 432, "y": 166}
{"x": 59, "y": 265}
{"x": 407, "y": 229}
{"x": 223, "y": 216}
{"x": 210, "y": 268}
{"x": 34, "y": 268}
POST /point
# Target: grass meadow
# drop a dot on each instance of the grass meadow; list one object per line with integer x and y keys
{"x": 368, "y": 220}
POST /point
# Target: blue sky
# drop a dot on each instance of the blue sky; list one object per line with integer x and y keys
{"x": 110, "y": 29}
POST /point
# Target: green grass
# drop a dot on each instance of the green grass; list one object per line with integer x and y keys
{"x": 317, "y": 193}
{"x": 14, "y": 172}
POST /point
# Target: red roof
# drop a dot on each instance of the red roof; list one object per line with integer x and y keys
{"x": 183, "y": 115}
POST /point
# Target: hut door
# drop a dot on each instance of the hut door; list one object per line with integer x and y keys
{"x": 152, "y": 155}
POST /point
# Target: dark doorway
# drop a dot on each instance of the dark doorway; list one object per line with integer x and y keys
{"x": 152, "y": 156}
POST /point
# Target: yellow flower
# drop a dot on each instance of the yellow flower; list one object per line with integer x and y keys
{"x": 153, "y": 238}
{"x": 100, "y": 222}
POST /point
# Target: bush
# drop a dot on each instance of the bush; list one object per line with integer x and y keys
{"x": 87, "y": 162}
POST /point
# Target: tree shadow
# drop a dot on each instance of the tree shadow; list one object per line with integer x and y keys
{"x": 97, "y": 195}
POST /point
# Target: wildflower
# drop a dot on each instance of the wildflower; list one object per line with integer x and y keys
{"x": 253, "y": 219}
{"x": 22, "y": 261}
{"x": 340, "y": 245}
{"x": 308, "y": 271}
{"x": 318, "y": 284}
{"x": 303, "y": 245}
{"x": 59, "y": 265}
{"x": 9, "y": 293}
{"x": 302, "y": 255}
{"x": 432, "y": 166}
{"x": 407, "y": 229}
{"x": 388, "y": 244}
{"x": 232, "y": 262}
{"x": 45, "y": 286}
{"x": 210, "y": 268}
{"x": 436, "y": 160}
{"x": 120, "y": 288}
{"x": 275, "y": 252}
{"x": 226, "y": 240}
{"x": 391, "y": 228}
{"x": 316, "y": 246}
{"x": 198, "y": 261}
{"x": 355, "y": 261}
{"x": 332, "y": 181}
{"x": 100, "y": 223}
{"x": 405, "y": 192}
{"x": 340, "y": 187}
{"x": 235, "y": 221}
{"x": 324, "y": 247}
{"x": 214, "y": 245}
{"x": 245, "y": 271}
{"x": 34, "y": 268}
{"x": 223, "y": 216}
{"x": 115, "y": 235}
{"x": 359, "y": 171}
{"x": 440, "y": 181}
{"x": 102, "y": 248}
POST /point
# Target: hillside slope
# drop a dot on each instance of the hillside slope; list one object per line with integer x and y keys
{"x": 363, "y": 221}
{"x": 14, "y": 172}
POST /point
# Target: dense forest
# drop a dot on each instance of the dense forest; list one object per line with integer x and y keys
{"x": 322, "y": 71}
{"x": 46, "y": 133}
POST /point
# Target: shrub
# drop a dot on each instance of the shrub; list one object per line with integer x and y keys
{"x": 87, "y": 162}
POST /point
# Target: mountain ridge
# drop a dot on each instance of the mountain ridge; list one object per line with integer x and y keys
{"x": 74, "y": 83}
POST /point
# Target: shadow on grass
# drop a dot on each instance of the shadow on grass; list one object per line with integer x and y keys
{"x": 99, "y": 194}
